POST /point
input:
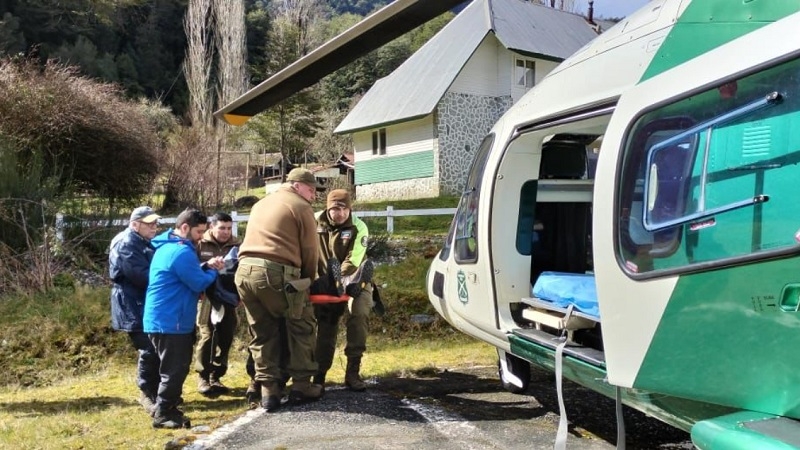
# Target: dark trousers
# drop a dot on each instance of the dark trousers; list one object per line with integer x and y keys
{"x": 214, "y": 343}
{"x": 147, "y": 377}
{"x": 357, "y": 323}
{"x": 175, "y": 353}
{"x": 250, "y": 365}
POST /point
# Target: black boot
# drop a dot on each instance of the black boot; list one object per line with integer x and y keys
{"x": 352, "y": 378}
{"x": 359, "y": 280}
{"x": 253, "y": 394}
{"x": 320, "y": 380}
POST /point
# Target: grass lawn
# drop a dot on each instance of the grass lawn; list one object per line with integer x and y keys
{"x": 99, "y": 410}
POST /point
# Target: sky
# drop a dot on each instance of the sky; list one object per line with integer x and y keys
{"x": 613, "y": 8}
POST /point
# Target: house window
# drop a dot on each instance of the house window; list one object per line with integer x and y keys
{"x": 379, "y": 142}
{"x": 523, "y": 72}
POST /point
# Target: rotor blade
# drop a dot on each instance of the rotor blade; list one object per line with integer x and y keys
{"x": 391, "y": 21}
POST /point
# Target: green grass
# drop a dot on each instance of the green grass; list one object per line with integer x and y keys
{"x": 411, "y": 225}
{"x": 99, "y": 410}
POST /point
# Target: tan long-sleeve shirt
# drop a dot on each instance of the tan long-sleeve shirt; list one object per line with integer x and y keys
{"x": 282, "y": 229}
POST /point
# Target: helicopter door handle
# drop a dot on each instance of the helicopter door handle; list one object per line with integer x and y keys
{"x": 790, "y": 297}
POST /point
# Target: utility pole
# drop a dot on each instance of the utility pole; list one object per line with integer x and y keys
{"x": 219, "y": 164}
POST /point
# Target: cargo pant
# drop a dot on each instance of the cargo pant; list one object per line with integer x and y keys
{"x": 357, "y": 328}
{"x": 212, "y": 360}
{"x": 261, "y": 286}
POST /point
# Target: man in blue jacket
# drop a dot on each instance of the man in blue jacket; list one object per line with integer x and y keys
{"x": 129, "y": 259}
{"x": 170, "y": 309}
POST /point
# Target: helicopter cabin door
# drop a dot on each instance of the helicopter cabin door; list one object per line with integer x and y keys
{"x": 697, "y": 232}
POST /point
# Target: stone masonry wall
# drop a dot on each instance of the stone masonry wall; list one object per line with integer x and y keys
{"x": 463, "y": 122}
{"x": 398, "y": 190}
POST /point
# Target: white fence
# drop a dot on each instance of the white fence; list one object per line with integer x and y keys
{"x": 390, "y": 213}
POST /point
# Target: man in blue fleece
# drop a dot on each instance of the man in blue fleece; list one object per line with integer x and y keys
{"x": 170, "y": 308}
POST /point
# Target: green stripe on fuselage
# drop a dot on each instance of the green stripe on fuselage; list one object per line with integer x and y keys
{"x": 707, "y": 24}
{"x": 724, "y": 339}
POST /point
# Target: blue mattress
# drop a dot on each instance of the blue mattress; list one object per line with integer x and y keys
{"x": 564, "y": 289}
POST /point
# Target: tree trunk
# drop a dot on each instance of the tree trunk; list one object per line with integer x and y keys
{"x": 198, "y": 61}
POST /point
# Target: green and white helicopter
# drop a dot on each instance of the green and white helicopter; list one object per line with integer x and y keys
{"x": 633, "y": 223}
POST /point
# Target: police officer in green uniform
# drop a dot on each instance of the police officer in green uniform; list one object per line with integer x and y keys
{"x": 215, "y": 340}
{"x": 344, "y": 237}
{"x": 277, "y": 261}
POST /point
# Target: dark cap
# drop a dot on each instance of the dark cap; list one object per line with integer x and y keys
{"x": 339, "y": 198}
{"x": 301, "y": 175}
{"x": 144, "y": 214}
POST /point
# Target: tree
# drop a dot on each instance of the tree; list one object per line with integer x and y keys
{"x": 198, "y": 62}
{"x": 289, "y": 126}
{"x": 258, "y": 27}
{"x": 231, "y": 45}
{"x": 12, "y": 40}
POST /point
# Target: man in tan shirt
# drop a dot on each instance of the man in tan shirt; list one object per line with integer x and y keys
{"x": 277, "y": 261}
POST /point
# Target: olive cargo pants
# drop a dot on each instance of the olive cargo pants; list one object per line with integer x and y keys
{"x": 207, "y": 362}
{"x": 261, "y": 285}
{"x": 357, "y": 329}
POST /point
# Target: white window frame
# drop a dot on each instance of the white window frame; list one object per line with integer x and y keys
{"x": 379, "y": 142}
{"x": 527, "y": 78}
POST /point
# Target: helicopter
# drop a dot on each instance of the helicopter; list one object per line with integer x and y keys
{"x": 631, "y": 224}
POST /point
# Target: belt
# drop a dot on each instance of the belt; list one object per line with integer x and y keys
{"x": 253, "y": 261}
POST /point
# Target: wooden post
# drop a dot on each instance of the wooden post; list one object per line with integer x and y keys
{"x": 390, "y": 219}
{"x": 235, "y": 227}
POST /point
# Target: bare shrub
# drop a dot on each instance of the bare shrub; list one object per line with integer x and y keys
{"x": 26, "y": 267}
{"x": 88, "y": 134}
{"x": 189, "y": 170}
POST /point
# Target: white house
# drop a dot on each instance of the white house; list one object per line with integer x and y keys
{"x": 415, "y": 131}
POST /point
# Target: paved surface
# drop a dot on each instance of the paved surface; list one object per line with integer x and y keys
{"x": 457, "y": 409}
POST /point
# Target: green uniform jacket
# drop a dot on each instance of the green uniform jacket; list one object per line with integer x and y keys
{"x": 347, "y": 242}
{"x": 209, "y": 247}
{"x": 281, "y": 229}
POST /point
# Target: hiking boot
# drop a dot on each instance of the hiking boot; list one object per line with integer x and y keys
{"x": 272, "y": 403}
{"x": 359, "y": 280}
{"x": 304, "y": 391}
{"x": 271, "y": 396}
{"x": 352, "y": 379}
{"x": 331, "y": 284}
{"x": 320, "y": 380}
{"x": 204, "y": 387}
{"x": 253, "y": 394}
{"x": 377, "y": 305}
{"x": 355, "y": 383}
{"x": 217, "y": 387}
{"x": 171, "y": 419}
{"x": 148, "y": 403}
{"x": 335, "y": 275}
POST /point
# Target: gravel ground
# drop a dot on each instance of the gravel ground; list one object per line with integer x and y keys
{"x": 450, "y": 410}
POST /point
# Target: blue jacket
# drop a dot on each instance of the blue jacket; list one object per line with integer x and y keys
{"x": 176, "y": 281}
{"x": 128, "y": 266}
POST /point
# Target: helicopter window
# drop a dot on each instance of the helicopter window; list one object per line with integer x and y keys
{"x": 466, "y": 220}
{"x": 668, "y": 172}
{"x": 707, "y": 178}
